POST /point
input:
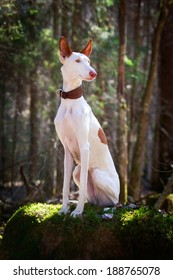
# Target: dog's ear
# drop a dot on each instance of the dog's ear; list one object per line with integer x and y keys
{"x": 88, "y": 49}
{"x": 64, "y": 49}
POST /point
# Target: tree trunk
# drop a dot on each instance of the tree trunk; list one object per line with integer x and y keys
{"x": 139, "y": 149}
{"x": 156, "y": 149}
{"x": 14, "y": 137}
{"x": 2, "y": 127}
{"x": 34, "y": 126}
{"x": 55, "y": 9}
{"x": 135, "y": 90}
{"x": 122, "y": 108}
{"x": 166, "y": 99}
{"x": 77, "y": 25}
{"x": 65, "y": 18}
{"x": 135, "y": 68}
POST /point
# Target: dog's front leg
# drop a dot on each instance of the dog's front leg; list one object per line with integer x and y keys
{"x": 84, "y": 157}
{"x": 83, "y": 180}
{"x": 68, "y": 165}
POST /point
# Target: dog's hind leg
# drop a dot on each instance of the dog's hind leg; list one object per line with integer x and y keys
{"x": 90, "y": 188}
{"x": 103, "y": 188}
{"x": 76, "y": 175}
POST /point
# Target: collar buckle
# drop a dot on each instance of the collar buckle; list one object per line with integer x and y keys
{"x": 61, "y": 93}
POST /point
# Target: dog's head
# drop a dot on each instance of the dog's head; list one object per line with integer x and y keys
{"x": 76, "y": 65}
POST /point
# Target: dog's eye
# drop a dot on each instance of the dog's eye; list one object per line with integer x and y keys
{"x": 78, "y": 60}
{"x": 88, "y": 61}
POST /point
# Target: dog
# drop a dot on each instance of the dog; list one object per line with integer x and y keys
{"x": 82, "y": 136}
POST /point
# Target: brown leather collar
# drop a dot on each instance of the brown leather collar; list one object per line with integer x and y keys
{"x": 72, "y": 94}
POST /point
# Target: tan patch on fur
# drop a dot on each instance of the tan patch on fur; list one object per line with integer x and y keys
{"x": 102, "y": 136}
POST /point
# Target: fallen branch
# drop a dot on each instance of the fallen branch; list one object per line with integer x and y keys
{"x": 148, "y": 195}
{"x": 165, "y": 193}
{"x": 21, "y": 161}
{"x": 25, "y": 180}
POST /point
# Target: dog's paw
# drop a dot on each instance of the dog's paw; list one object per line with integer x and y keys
{"x": 63, "y": 210}
{"x": 76, "y": 212}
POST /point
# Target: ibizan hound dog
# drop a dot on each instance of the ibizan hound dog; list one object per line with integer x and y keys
{"x": 83, "y": 139}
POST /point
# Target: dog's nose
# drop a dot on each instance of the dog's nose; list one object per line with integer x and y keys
{"x": 92, "y": 74}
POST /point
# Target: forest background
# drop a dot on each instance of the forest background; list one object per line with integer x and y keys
{"x": 131, "y": 97}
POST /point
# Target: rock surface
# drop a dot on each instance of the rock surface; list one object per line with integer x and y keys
{"x": 36, "y": 231}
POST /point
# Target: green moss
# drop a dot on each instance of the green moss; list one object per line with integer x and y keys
{"x": 36, "y": 231}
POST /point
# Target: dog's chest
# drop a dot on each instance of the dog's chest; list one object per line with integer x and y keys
{"x": 69, "y": 117}
{"x": 64, "y": 124}
{"x": 66, "y": 130}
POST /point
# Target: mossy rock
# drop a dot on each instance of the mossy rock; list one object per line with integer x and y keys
{"x": 36, "y": 231}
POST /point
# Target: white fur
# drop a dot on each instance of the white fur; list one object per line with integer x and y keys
{"x": 77, "y": 129}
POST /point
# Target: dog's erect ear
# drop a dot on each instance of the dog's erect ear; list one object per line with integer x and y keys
{"x": 64, "y": 48}
{"x": 88, "y": 49}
